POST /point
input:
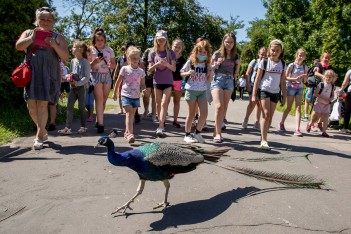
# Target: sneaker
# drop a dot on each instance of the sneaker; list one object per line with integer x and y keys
{"x": 100, "y": 128}
{"x": 199, "y": 138}
{"x": 305, "y": 119}
{"x": 308, "y": 127}
{"x": 244, "y": 124}
{"x": 314, "y": 128}
{"x": 298, "y": 133}
{"x": 52, "y": 127}
{"x": 324, "y": 134}
{"x": 176, "y": 124}
{"x": 91, "y": 119}
{"x": 257, "y": 125}
{"x": 113, "y": 134}
{"x": 320, "y": 126}
{"x": 154, "y": 118}
{"x": 223, "y": 126}
{"x": 160, "y": 132}
{"x": 38, "y": 145}
{"x": 190, "y": 139}
{"x": 282, "y": 127}
{"x": 264, "y": 145}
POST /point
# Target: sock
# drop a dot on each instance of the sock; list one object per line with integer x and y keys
{"x": 187, "y": 133}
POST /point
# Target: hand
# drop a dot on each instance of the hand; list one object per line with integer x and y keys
{"x": 253, "y": 98}
{"x": 114, "y": 97}
{"x": 283, "y": 101}
{"x": 51, "y": 41}
{"x": 219, "y": 61}
{"x": 192, "y": 73}
{"x": 144, "y": 91}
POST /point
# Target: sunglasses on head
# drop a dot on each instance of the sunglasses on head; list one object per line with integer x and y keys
{"x": 45, "y": 9}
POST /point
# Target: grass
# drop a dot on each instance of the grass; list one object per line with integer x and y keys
{"x": 16, "y": 122}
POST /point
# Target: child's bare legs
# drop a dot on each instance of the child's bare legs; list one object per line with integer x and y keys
{"x": 324, "y": 118}
{"x": 162, "y": 101}
{"x": 176, "y": 101}
{"x": 290, "y": 101}
{"x": 268, "y": 109}
{"x": 298, "y": 100}
{"x": 307, "y": 104}
{"x": 203, "y": 109}
{"x": 190, "y": 116}
{"x": 221, "y": 99}
{"x": 130, "y": 113}
{"x": 314, "y": 117}
{"x": 146, "y": 101}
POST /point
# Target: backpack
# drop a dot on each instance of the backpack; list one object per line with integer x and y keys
{"x": 253, "y": 70}
{"x": 312, "y": 80}
{"x": 322, "y": 87}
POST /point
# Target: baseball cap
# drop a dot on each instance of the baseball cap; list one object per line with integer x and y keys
{"x": 161, "y": 34}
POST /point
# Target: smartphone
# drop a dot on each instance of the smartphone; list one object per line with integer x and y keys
{"x": 40, "y": 37}
{"x": 100, "y": 55}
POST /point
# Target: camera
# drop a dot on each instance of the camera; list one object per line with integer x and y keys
{"x": 100, "y": 55}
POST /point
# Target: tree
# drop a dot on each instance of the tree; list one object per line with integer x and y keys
{"x": 17, "y": 16}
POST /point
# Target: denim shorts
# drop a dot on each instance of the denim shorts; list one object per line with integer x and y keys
{"x": 134, "y": 102}
{"x": 89, "y": 100}
{"x": 223, "y": 82}
{"x": 194, "y": 95}
{"x": 293, "y": 92}
{"x": 309, "y": 97}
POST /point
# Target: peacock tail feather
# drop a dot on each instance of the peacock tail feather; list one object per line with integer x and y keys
{"x": 275, "y": 158}
{"x": 294, "y": 181}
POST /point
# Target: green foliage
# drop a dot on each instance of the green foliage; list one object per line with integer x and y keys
{"x": 16, "y": 16}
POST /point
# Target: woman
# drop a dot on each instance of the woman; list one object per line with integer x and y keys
{"x": 102, "y": 62}
{"x": 44, "y": 88}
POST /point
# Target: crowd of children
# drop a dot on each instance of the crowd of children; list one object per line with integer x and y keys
{"x": 162, "y": 71}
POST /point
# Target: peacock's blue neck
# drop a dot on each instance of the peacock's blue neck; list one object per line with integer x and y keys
{"x": 113, "y": 157}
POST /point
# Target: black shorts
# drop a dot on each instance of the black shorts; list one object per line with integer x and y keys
{"x": 274, "y": 97}
{"x": 162, "y": 87}
{"x": 149, "y": 82}
{"x": 65, "y": 86}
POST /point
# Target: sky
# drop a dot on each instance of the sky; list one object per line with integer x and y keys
{"x": 247, "y": 10}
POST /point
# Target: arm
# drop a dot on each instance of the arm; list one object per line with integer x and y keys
{"x": 209, "y": 73}
{"x": 346, "y": 80}
{"x": 60, "y": 46}
{"x": 25, "y": 40}
{"x": 115, "y": 89}
{"x": 112, "y": 63}
{"x": 143, "y": 85}
{"x": 283, "y": 88}
{"x": 237, "y": 69}
{"x": 256, "y": 84}
{"x": 318, "y": 73}
{"x": 247, "y": 77}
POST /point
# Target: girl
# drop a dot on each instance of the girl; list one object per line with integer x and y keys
{"x": 308, "y": 95}
{"x": 321, "y": 108}
{"x": 251, "y": 73}
{"x": 177, "y": 47}
{"x": 227, "y": 63}
{"x": 296, "y": 76}
{"x": 102, "y": 61}
{"x": 242, "y": 85}
{"x": 199, "y": 71}
{"x": 267, "y": 86}
{"x": 79, "y": 77}
{"x": 162, "y": 61}
{"x": 132, "y": 78}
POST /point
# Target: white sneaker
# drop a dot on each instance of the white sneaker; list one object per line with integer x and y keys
{"x": 244, "y": 124}
{"x": 160, "y": 132}
{"x": 190, "y": 139}
{"x": 154, "y": 118}
{"x": 257, "y": 126}
{"x": 199, "y": 138}
{"x": 264, "y": 145}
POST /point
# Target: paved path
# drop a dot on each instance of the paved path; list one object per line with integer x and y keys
{"x": 70, "y": 187}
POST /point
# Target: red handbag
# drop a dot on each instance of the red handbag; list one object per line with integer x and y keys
{"x": 22, "y": 75}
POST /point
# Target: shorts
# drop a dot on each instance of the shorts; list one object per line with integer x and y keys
{"x": 274, "y": 97}
{"x": 177, "y": 85}
{"x": 293, "y": 92}
{"x": 101, "y": 78}
{"x": 309, "y": 97}
{"x": 149, "y": 81}
{"x": 162, "y": 87}
{"x": 194, "y": 95}
{"x": 65, "y": 86}
{"x": 134, "y": 102}
{"x": 222, "y": 82}
{"x": 250, "y": 92}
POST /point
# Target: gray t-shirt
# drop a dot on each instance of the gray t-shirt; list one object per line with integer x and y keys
{"x": 270, "y": 82}
{"x": 82, "y": 69}
{"x": 227, "y": 66}
{"x": 254, "y": 64}
{"x": 295, "y": 71}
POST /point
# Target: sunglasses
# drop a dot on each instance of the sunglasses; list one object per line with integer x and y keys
{"x": 45, "y": 9}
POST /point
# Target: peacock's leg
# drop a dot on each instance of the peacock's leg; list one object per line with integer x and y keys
{"x": 164, "y": 203}
{"x": 125, "y": 206}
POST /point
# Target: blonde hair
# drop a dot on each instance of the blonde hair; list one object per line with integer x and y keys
{"x": 330, "y": 73}
{"x": 168, "y": 48}
{"x": 132, "y": 50}
{"x": 279, "y": 43}
{"x": 199, "y": 46}
{"x": 44, "y": 11}
{"x": 300, "y": 50}
{"x": 177, "y": 40}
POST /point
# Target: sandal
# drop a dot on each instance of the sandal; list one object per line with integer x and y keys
{"x": 38, "y": 145}
{"x": 130, "y": 138}
{"x": 65, "y": 131}
{"x": 113, "y": 134}
{"x": 82, "y": 130}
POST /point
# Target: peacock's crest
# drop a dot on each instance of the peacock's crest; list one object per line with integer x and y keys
{"x": 161, "y": 154}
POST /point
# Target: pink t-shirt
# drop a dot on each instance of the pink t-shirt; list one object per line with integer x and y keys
{"x": 131, "y": 81}
{"x": 102, "y": 67}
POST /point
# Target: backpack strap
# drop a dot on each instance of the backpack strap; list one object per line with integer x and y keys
{"x": 322, "y": 87}
{"x": 265, "y": 64}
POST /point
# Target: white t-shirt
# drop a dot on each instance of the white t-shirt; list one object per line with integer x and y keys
{"x": 295, "y": 71}
{"x": 199, "y": 80}
{"x": 270, "y": 82}
{"x": 242, "y": 82}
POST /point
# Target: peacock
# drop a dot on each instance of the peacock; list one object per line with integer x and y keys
{"x": 162, "y": 161}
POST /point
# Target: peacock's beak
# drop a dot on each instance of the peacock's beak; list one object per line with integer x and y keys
{"x": 96, "y": 145}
